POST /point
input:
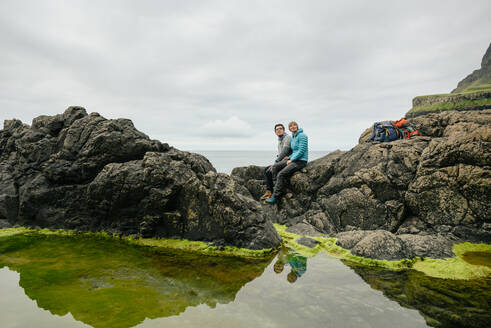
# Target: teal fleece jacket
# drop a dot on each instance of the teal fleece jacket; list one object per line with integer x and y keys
{"x": 300, "y": 146}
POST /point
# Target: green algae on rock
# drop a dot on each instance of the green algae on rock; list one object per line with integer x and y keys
{"x": 155, "y": 244}
{"x": 328, "y": 245}
{"x": 105, "y": 282}
{"x": 450, "y": 268}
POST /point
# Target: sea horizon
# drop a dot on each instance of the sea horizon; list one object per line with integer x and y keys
{"x": 225, "y": 161}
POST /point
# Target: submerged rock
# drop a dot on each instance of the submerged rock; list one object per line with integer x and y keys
{"x": 85, "y": 172}
{"x": 308, "y": 242}
{"x": 436, "y": 185}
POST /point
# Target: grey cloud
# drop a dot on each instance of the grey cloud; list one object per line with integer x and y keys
{"x": 175, "y": 66}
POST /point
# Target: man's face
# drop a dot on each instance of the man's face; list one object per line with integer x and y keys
{"x": 279, "y": 130}
{"x": 293, "y": 127}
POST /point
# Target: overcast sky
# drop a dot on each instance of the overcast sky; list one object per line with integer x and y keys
{"x": 206, "y": 75}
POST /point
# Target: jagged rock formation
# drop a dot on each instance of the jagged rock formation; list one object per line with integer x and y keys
{"x": 472, "y": 93}
{"x": 438, "y": 185}
{"x": 85, "y": 172}
{"x": 480, "y": 78}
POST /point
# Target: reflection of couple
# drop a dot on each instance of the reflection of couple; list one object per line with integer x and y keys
{"x": 298, "y": 264}
{"x": 292, "y": 156}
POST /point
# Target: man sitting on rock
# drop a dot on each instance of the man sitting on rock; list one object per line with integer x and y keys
{"x": 282, "y": 171}
{"x": 283, "y": 151}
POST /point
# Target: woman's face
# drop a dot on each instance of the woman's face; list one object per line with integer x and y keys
{"x": 293, "y": 127}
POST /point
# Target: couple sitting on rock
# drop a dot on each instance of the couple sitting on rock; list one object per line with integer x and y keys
{"x": 292, "y": 156}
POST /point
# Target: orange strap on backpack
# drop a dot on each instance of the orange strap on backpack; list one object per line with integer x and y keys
{"x": 400, "y": 122}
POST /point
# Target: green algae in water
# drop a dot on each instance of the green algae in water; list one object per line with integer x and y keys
{"x": 456, "y": 267}
{"x": 106, "y": 283}
{"x": 156, "y": 244}
{"x": 478, "y": 258}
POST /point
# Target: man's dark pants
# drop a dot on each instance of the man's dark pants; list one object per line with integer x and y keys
{"x": 268, "y": 173}
{"x": 282, "y": 172}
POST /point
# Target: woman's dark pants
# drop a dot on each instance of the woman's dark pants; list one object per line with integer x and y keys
{"x": 283, "y": 172}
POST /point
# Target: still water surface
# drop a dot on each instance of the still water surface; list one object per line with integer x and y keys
{"x": 52, "y": 281}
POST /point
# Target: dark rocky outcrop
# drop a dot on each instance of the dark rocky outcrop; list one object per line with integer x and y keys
{"x": 85, "y": 172}
{"x": 423, "y": 193}
{"x": 382, "y": 200}
{"x": 384, "y": 245}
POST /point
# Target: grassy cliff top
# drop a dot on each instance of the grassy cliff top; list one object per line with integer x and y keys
{"x": 467, "y": 100}
{"x": 472, "y": 93}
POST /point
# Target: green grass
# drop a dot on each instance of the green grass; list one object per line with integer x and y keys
{"x": 482, "y": 84}
{"x": 457, "y": 101}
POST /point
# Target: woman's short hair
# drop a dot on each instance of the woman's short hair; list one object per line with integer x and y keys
{"x": 292, "y": 122}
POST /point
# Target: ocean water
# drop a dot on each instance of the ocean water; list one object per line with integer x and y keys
{"x": 225, "y": 160}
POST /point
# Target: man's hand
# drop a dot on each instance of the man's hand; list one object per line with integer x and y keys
{"x": 289, "y": 162}
{"x": 270, "y": 168}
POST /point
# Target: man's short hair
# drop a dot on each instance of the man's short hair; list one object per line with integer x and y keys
{"x": 279, "y": 124}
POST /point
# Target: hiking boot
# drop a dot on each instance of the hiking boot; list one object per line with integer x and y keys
{"x": 271, "y": 200}
{"x": 266, "y": 195}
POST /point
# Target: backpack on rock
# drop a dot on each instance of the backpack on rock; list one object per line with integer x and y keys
{"x": 408, "y": 130}
{"x": 386, "y": 131}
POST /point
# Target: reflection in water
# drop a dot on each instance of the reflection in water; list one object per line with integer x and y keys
{"x": 442, "y": 302}
{"x": 105, "y": 283}
{"x": 298, "y": 264}
{"x": 478, "y": 258}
